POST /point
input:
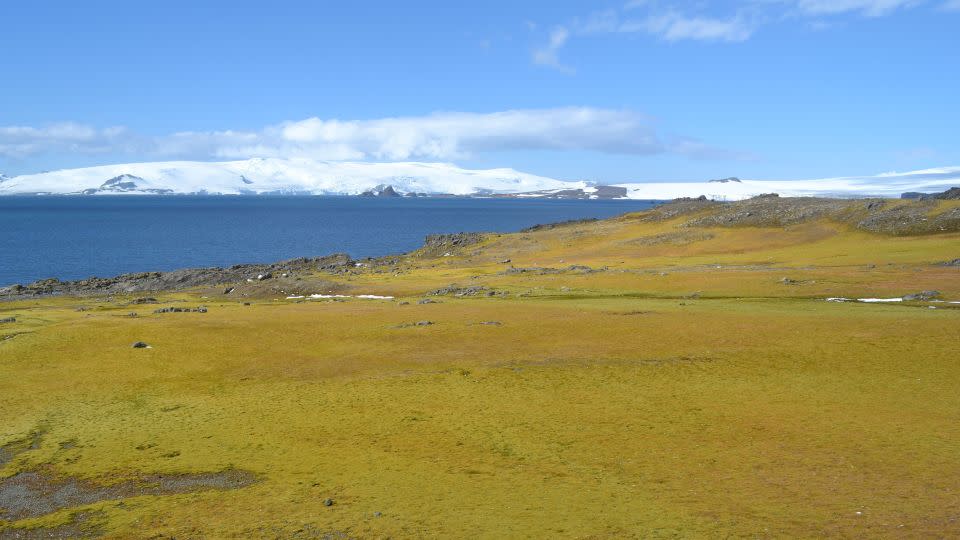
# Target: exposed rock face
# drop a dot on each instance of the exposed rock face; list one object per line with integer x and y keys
{"x": 725, "y": 180}
{"x": 124, "y": 183}
{"x": 381, "y": 191}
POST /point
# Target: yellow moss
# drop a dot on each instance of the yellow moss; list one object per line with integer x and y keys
{"x": 608, "y": 404}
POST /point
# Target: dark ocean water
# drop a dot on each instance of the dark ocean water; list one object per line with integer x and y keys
{"x": 79, "y": 237}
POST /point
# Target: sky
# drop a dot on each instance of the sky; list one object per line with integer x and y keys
{"x": 640, "y": 90}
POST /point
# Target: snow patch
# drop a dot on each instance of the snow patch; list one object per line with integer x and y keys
{"x": 323, "y": 296}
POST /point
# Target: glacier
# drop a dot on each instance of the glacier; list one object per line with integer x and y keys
{"x": 259, "y": 176}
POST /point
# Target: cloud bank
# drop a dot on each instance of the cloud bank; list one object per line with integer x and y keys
{"x": 438, "y": 136}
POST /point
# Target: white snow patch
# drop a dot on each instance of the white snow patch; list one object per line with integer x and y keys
{"x": 323, "y": 296}
{"x": 865, "y": 300}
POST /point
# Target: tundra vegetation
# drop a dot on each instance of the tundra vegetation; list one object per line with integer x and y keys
{"x": 676, "y": 372}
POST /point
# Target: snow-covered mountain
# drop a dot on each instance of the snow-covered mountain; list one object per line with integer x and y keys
{"x": 730, "y": 189}
{"x": 311, "y": 177}
{"x": 275, "y": 176}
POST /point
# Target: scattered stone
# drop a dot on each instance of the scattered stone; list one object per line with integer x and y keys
{"x": 476, "y": 290}
{"x": 140, "y": 345}
{"x": 200, "y": 309}
{"x": 409, "y": 325}
{"x": 146, "y": 300}
{"x": 507, "y": 261}
{"x": 229, "y": 290}
{"x": 955, "y": 262}
{"x": 8, "y": 320}
{"x": 922, "y": 296}
{"x": 788, "y": 281}
{"x": 491, "y": 323}
{"x": 328, "y": 502}
{"x": 427, "y": 301}
{"x": 261, "y": 277}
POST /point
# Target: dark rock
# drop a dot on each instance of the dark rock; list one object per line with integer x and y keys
{"x": 381, "y": 191}
{"x": 443, "y": 243}
{"x": 328, "y": 502}
{"x": 140, "y": 345}
{"x": 228, "y": 290}
{"x": 922, "y": 296}
{"x": 177, "y": 279}
{"x": 427, "y": 301}
{"x": 8, "y": 320}
{"x": 200, "y": 309}
{"x": 955, "y": 262}
{"x": 424, "y": 323}
{"x": 950, "y": 194}
{"x": 548, "y": 226}
{"x": 146, "y": 300}
{"x": 460, "y": 291}
{"x": 725, "y": 180}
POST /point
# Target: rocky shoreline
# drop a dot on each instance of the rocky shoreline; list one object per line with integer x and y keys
{"x": 879, "y": 216}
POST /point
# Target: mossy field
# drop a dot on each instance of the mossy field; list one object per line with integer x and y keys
{"x": 638, "y": 377}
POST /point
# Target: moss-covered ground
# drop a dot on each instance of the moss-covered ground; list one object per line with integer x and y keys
{"x": 679, "y": 387}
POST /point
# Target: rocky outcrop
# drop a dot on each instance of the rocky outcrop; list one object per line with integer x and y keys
{"x": 438, "y": 245}
{"x": 568, "y": 223}
{"x": 725, "y": 180}
{"x": 381, "y": 191}
{"x": 950, "y": 194}
{"x": 179, "y": 279}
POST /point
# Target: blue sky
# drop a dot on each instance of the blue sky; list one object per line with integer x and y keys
{"x": 608, "y": 91}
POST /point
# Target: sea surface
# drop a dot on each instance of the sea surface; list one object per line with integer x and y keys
{"x": 78, "y": 237}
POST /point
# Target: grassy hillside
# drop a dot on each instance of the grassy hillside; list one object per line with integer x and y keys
{"x": 676, "y": 372}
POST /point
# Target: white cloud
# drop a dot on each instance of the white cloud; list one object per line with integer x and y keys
{"x": 674, "y": 27}
{"x": 20, "y": 141}
{"x": 950, "y": 5}
{"x": 438, "y": 136}
{"x": 870, "y": 8}
{"x": 547, "y": 54}
{"x": 696, "y": 20}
